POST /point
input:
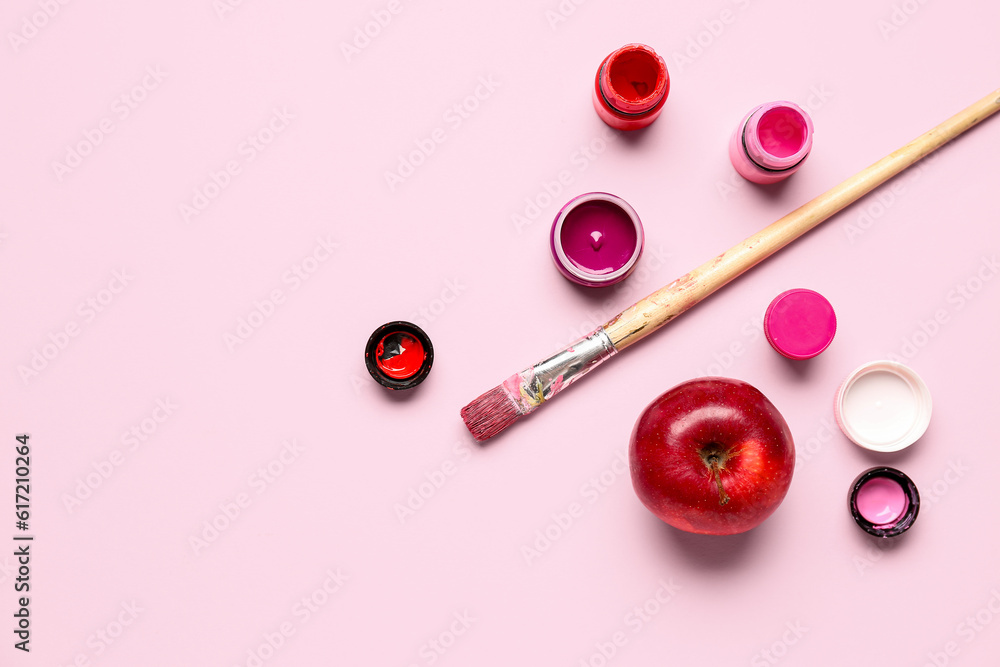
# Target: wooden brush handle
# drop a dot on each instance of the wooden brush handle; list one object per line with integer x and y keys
{"x": 651, "y": 313}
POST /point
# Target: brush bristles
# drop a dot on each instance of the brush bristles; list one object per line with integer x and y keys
{"x": 490, "y": 413}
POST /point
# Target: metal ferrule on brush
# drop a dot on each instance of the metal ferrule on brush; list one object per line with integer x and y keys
{"x": 533, "y": 386}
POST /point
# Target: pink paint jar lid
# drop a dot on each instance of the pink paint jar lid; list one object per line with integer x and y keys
{"x": 883, "y": 406}
{"x": 800, "y": 323}
{"x": 596, "y": 239}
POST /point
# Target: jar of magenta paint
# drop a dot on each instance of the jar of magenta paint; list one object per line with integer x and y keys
{"x": 596, "y": 239}
{"x": 630, "y": 87}
{"x": 771, "y": 142}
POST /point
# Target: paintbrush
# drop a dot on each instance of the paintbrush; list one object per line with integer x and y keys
{"x": 523, "y": 393}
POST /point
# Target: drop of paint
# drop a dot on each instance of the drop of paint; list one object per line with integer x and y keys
{"x": 597, "y": 240}
{"x": 399, "y": 355}
{"x": 641, "y": 88}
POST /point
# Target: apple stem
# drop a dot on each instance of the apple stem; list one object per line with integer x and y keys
{"x": 723, "y": 496}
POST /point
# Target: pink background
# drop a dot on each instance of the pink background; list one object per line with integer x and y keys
{"x": 443, "y": 248}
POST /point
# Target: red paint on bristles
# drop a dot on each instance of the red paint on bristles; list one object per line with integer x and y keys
{"x": 490, "y": 413}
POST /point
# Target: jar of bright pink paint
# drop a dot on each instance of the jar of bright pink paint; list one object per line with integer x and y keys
{"x": 771, "y": 142}
{"x": 800, "y": 323}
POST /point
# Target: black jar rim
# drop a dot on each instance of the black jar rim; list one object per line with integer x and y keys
{"x": 399, "y": 326}
{"x": 900, "y": 525}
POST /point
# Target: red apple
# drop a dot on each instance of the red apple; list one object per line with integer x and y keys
{"x": 711, "y": 456}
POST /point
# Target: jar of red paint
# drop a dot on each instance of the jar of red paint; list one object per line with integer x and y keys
{"x": 630, "y": 87}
